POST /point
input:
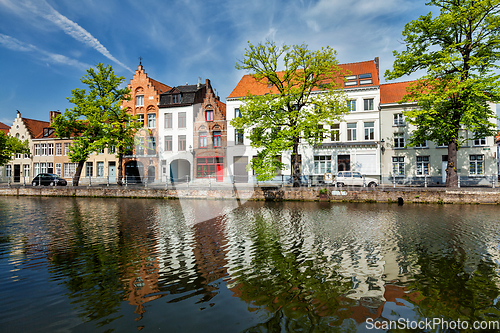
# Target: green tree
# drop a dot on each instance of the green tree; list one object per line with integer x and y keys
{"x": 458, "y": 49}
{"x": 9, "y": 146}
{"x": 97, "y": 120}
{"x": 293, "y": 110}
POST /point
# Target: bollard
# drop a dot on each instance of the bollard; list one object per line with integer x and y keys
{"x": 126, "y": 181}
{"x": 209, "y": 182}
{"x": 8, "y": 181}
{"x": 107, "y": 181}
{"x": 232, "y": 178}
{"x": 166, "y": 184}
{"x": 425, "y": 180}
{"x": 146, "y": 182}
{"x": 364, "y": 181}
{"x": 458, "y": 183}
{"x": 309, "y": 181}
{"x": 187, "y": 181}
{"x": 393, "y": 182}
{"x": 282, "y": 181}
{"x": 39, "y": 181}
{"x": 90, "y": 180}
{"x": 493, "y": 182}
{"x": 24, "y": 181}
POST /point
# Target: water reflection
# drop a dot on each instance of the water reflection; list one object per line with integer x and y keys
{"x": 122, "y": 264}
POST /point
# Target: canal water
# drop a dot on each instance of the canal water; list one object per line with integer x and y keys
{"x": 126, "y": 265}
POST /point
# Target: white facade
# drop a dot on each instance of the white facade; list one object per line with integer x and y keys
{"x": 352, "y": 151}
{"x": 176, "y": 160}
{"x": 476, "y": 159}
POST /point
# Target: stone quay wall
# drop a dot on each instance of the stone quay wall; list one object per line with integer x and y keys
{"x": 400, "y": 195}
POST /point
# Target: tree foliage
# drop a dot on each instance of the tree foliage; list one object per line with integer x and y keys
{"x": 458, "y": 49}
{"x": 97, "y": 120}
{"x": 9, "y": 146}
{"x": 305, "y": 94}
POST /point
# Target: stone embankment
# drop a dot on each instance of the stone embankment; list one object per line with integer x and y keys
{"x": 406, "y": 195}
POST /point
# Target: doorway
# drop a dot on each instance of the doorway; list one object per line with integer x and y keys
{"x": 344, "y": 163}
{"x": 112, "y": 172}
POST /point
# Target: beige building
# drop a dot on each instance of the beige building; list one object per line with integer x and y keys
{"x": 476, "y": 159}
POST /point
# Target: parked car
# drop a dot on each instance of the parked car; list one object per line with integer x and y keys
{"x": 353, "y": 178}
{"x": 48, "y": 179}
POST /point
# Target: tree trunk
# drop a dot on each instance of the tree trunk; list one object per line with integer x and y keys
{"x": 78, "y": 172}
{"x": 295, "y": 164}
{"x": 120, "y": 169}
{"x": 451, "y": 168}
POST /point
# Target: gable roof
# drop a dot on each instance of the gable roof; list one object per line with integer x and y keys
{"x": 393, "y": 92}
{"x": 222, "y": 107}
{"x": 160, "y": 87}
{"x": 248, "y": 84}
{"x": 35, "y": 127}
{"x": 4, "y": 128}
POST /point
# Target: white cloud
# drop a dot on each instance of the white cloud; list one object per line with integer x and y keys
{"x": 16, "y": 45}
{"x": 43, "y": 9}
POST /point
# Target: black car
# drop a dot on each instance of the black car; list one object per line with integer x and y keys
{"x": 48, "y": 179}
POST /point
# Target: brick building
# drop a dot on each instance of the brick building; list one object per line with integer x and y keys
{"x": 145, "y": 96}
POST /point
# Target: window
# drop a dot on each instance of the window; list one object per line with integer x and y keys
{"x": 26, "y": 170}
{"x": 398, "y": 119}
{"x": 209, "y": 115}
{"x": 37, "y": 150}
{"x": 66, "y": 148}
{"x": 70, "y": 169}
{"x": 50, "y": 167}
{"x": 168, "y": 120}
{"x": 139, "y": 149}
{"x": 351, "y": 131}
{"x": 43, "y": 167}
{"x": 206, "y": 166}
{"x": 43, "y": 149}
{"x": 238, "y": 137}
{"x": 8, "y": 170}
{"x": 152, "y": 146}
{"x": 368, "y": 104}
{"x": 365, "y": 76}
{"x": 182, "y": 143}
{"x": 139, "y": 100}
{"x": 422, "y": 145}
{"x": 151, "y": 120}
{"x": 168, "y": 143}
{"x": 476, "y": 165}
{"x": 203, "y": 140}
{"x": 100, "y": 169}
{"x": 18, "y": 156}
{"x": 480, "y": 142}
{"x": 335, "y": 132}
{"x": 111, "y": 149}
{"x": 89, "y": 169}
{"x": 140, "y": 119}
{"x": 351, "y": 105}
{"x": 399, "y": 140}
{"x": 217, "y": 139}
{"x": 370, "y": 130}
{"x": 176, "y": 98}
{"x": 182, "y": 119}
{"x": 58, "y": 170}
{"x": 322, "y": 164}
{"x": 36, "y": 167}
{"x": 422, "y": 165}
{"x": 58, "y": 149}
{"x": 50, "y": 149}
{"x": 237, "y": 113}
{"x": 398, "y": 165}
{"x": 26, "y": 156}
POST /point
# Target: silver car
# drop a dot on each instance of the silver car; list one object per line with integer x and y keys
{"x": 354, "y": 178}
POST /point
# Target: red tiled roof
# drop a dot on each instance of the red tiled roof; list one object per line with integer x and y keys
{"x": 393, "y": 92}
{"x": 35, "y": 127}
{"x": 161, "y": 87}
{"x": 4, "y": 128}
{"x": 249, "y": 84}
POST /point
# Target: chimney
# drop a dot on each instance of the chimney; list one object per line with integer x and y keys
{"x": 53, "y": 115}
{"x": 378, "y": 71}
{"x": 18, "y": 114}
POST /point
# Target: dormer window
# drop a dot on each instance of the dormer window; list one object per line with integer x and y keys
{"x": 176, "y": 98}
{"x": 47, "y": 132}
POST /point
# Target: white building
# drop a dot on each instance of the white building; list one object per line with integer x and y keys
{"x": 476, "y": 159}
{"x": 354, "y": 146}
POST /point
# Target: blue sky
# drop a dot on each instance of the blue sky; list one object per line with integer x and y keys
{"x": 46, "y": 46}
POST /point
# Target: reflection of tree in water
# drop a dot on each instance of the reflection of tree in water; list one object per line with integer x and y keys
{"x": 448, "y": 287}
{"x": 90, "y": 266}
{"x": 300, "y": 289}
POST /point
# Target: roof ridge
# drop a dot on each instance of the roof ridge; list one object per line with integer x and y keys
{"x": 398, "y": 82}
{"x": 357, "y": 62}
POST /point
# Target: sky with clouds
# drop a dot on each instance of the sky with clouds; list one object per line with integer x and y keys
{"x": 46, "y": 46}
